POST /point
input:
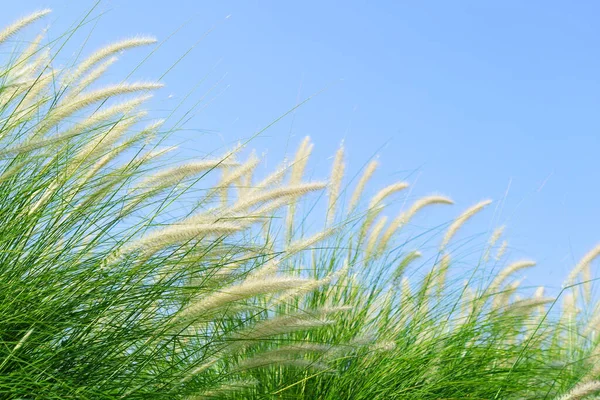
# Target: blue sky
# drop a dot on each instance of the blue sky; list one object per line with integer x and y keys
{"x": 471, "y": 99}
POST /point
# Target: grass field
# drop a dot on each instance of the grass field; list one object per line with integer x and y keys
{"x": 127, "y": 275}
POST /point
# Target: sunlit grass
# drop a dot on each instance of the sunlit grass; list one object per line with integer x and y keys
{"x": 116, "y": 285}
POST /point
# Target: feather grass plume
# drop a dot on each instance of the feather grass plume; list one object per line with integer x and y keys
{"x": 461, "y": 220}
{"x": 22, "y": 23}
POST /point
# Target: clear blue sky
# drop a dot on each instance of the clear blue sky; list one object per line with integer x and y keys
{"x": 468, "y": 98}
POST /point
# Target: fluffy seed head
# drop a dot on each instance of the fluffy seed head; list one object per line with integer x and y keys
{"x": 238, "y": 292}
{"x": 335, "y": 183}
{"x": 109, "y": 51}
{"x": 406, "y": 261}
{"x": 173, "y": 175}
{"x": 173, "y": 234}
{"x": 385, "y": 192}
{"x": 80, "y": 102}
{"x": 404, "y": 217}
{"x": 298, "y": 167}
{"x": 525, "y": 305}
{"x": 582, "y": 390}
{"x": 442, "y": 272}
{"x": 360, "y": 186}
{"x": 303, "y": 244}
{"x": 461, "y": 220}
{"x": 373, "y": 236}
{"x": 501, "y": 250}
{"x": 285, "y": 191}
{"x": 506, "y": 272}
{"x": 93, "y": 76}
{"x": 586, "y": 260}
{"x": 22, "y": 23}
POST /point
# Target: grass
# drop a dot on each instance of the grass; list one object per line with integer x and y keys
{"x": 124, "y": 280}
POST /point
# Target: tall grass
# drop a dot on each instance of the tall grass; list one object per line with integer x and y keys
{"x": 124, "y": 280}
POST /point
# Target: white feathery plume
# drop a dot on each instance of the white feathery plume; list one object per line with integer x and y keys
{"x": 230, "y": 177}
{"x": 28, "y": 81}
{"x": 525, "y": 305}
{"x": 170, "y": 176}
{"x": 30, "y": 72}
{"x": 273, "y": 179}
{"x": 585, "y": 261}
{"x": 30, "y": 101}
{"x": 535, "y": 327}
{"x": 102, "y": 162}
{"x": 407, "y": 303}
{"x": 244, "y": 290}
{"x": 502, "y": 298}
{"x": 68, "y": 108}
{"x": 586, "y": 285}
{"x": 386, "y": 192}
{"x": 569, "y": 308}
{"x": 300, "y": 160}
{"x": 79, "y": 128}
{"x": 269, "y": 200}
{"x": 260, "y": 214}
{"x": 30, "y": 50}
{"x": 291, "y": 190}
{"x": 335, "y": 183}
{"x": 375, "y": 205}
{"x": 496, "y": 235}
{"x": 492, "y": 242}
{"x": 466, "y": 305}
{"x": 383, "y": 346}
{"x": 404, "y": 217}
{"x": 373, "y": 236}
{"x": 21, "y": 23}
{"x": 312, "y": 285}
{"x": 593, "y": 323}
{"x": 284, "y": 324}
{"x": 173, "y": 234}
{"x": 159, "y": 152}
{"x": 267, "y": 269}
{"x": 360, "y": 186}
{"x": 442, "y": 272}
{"x": 538, "y": 294}
{"x": 461, "y": 220}
{"x": 244, "y": 183}
{"x": 90, "y": 78}
{"x": 148, "y": 133}
{"x": 405, "y": 262}
{"x": 108, "y": 137}
{"x": 144, "y": 134}
{"x": 297, "y": 171}
{"x": 582, "y": 390}
{"x": 501, "y": 250}
{"x": 594, "y": 358}
{"x": 303, "y": 244}
{"x": 539, "y": 291}
{"x": 108, "y": 51}
{"x": 48, "y": 192}
{"x": 506, "y": 272}
{"x": 406, "y": 291}
{"x": 280, "y": 325}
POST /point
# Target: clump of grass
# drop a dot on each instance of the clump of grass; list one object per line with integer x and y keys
{"x": 107, "y": 295}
